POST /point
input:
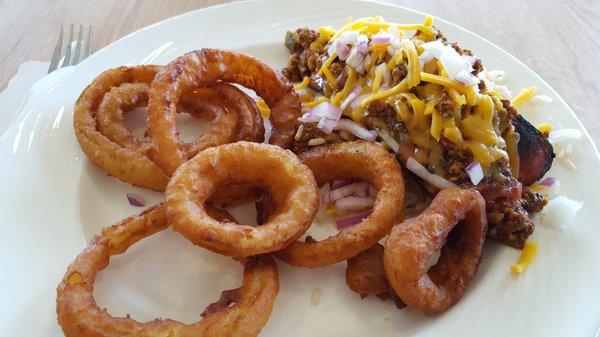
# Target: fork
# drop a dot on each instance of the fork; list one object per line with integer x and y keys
{"x": 68, "y": 60}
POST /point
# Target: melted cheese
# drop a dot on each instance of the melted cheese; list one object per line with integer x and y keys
{"x": 413, "y": 77}
{"x": 545, "y": 127}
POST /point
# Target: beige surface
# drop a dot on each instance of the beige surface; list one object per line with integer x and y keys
{"x": 558, "y": 39}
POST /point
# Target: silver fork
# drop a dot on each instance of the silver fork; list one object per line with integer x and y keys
{"x": 68, "y": 60}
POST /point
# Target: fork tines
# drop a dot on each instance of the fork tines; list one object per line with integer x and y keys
{"x": 73, "y": 54}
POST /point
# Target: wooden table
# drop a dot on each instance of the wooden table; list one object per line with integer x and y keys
{"x": 557, "y": 39}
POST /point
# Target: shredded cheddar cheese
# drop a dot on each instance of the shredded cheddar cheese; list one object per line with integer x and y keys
{"x": 525, "y": 259}
{"x": 524, "y": 96}
{"x": 545, "y": 127}
{"x": 303, "y": 84}
{"x": 264, "y": 109}
{"x": 316, "y": 102}
{"x": 414, "y": 67}
{"x": 428, "y": 21}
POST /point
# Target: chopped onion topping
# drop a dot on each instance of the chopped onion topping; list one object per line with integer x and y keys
{"x": 475, "y": 172}
{"x": 549, "y": 182}
{"x": 388, "y": 139}
{"x": 325, "y": 194}
{"x": 420, "y": 170}
{"x": 353, "y": 204}
{"x": 559, "y": 137}
{"x": 560, "y": 212}
{"x": 351, "y": 97}
{"x": 352, "y": 219}
{"x": 537, "y": 99}
{"x": 382, "y": 38}
{"x": 326, "y": 125}
{"x": 458, "y": 67}
{"x": 356, "y": 129}
{"x": 135, "y": 200}
{"x": 340, "y": 183}
{"x": 268, "y": 129}
{"x": 354, "y": 189}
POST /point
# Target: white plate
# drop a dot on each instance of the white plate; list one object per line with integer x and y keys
{"x": 53, "y": 200}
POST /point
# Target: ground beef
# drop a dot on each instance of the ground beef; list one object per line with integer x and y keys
{"x": 508, "y": 221}
{"x": 304, "y": 60}
{"x": 512, "y": 113}
{"x": 532, "y": 201}
{"x": 306, "y": 37}
{"x": 445, "y": 105}
{"x": 455, "y": 160}
{"x": 381, "y": 115}
{"x": 398, "y": 73}
{"x": 310, "y": 131}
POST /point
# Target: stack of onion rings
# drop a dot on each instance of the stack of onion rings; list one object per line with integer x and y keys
{"x": 247, "y": 310}
{"x": 360, "y": 160}
{"x": 411, "y": 244}
{"x": 204, "y": 67}
{"x": 279, "y": 172}
{"x": 100, "y": 129}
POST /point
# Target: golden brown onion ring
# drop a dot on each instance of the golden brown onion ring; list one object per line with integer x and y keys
{"x": 360, "y": 160}
{"x": 203, "y": 67}
{"x": 80, "y": 316}
{"x": 123, "y": 163}
{"x": 203, "y": 103}
{"x": 412, "y": 243}
{"x": 279, "y": 172}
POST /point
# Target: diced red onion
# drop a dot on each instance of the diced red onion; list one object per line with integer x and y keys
{"x": 475, "y": 172}
{"x": 340, "y": 183}
{"x": 470, "y": 59}
{"x": 436, "y": 48}
{"x": 353, "y": 189}
{"x": 420, "y": 170}
{"x": 328, "y": 110}
{"x": 382, "y": 38}
{"x": 342, "y": 50}
{"x": 560, "y": 212}
{"x": 309, "y": 117}
{"x": 362, "y": 42}
{"x": 358, "y": 100}
{"x": 558, "y": 137}
{"x": 353, "y": 204}
{"x": 325, "y": 194}
{"x": 352, "y": 219}
{"x": 268, "y": 129}
{"x": 135, "y": 200}
{"x": 351, "y": 97}
{"x": 388, "y": 139}
{"x": 425, "y": 57}
{"x": 356, "y": 129}
{"x": 326, "y": 125}
{"x": 466, "y": 78}
{"x": 348, "y": 37}
{"x": 549, "y": 182}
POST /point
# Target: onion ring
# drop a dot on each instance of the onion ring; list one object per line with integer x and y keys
{"x": 203, "y": 67}
{"x": 125, "y": 164}
{"x": 80, "y": 316}
{"x": 279, "y": 172}
{"x": 360, "y": 160}
{"x": 412, "y": 243}
{"x": 120, "y": 154}
{"x": 203, "y": 103}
